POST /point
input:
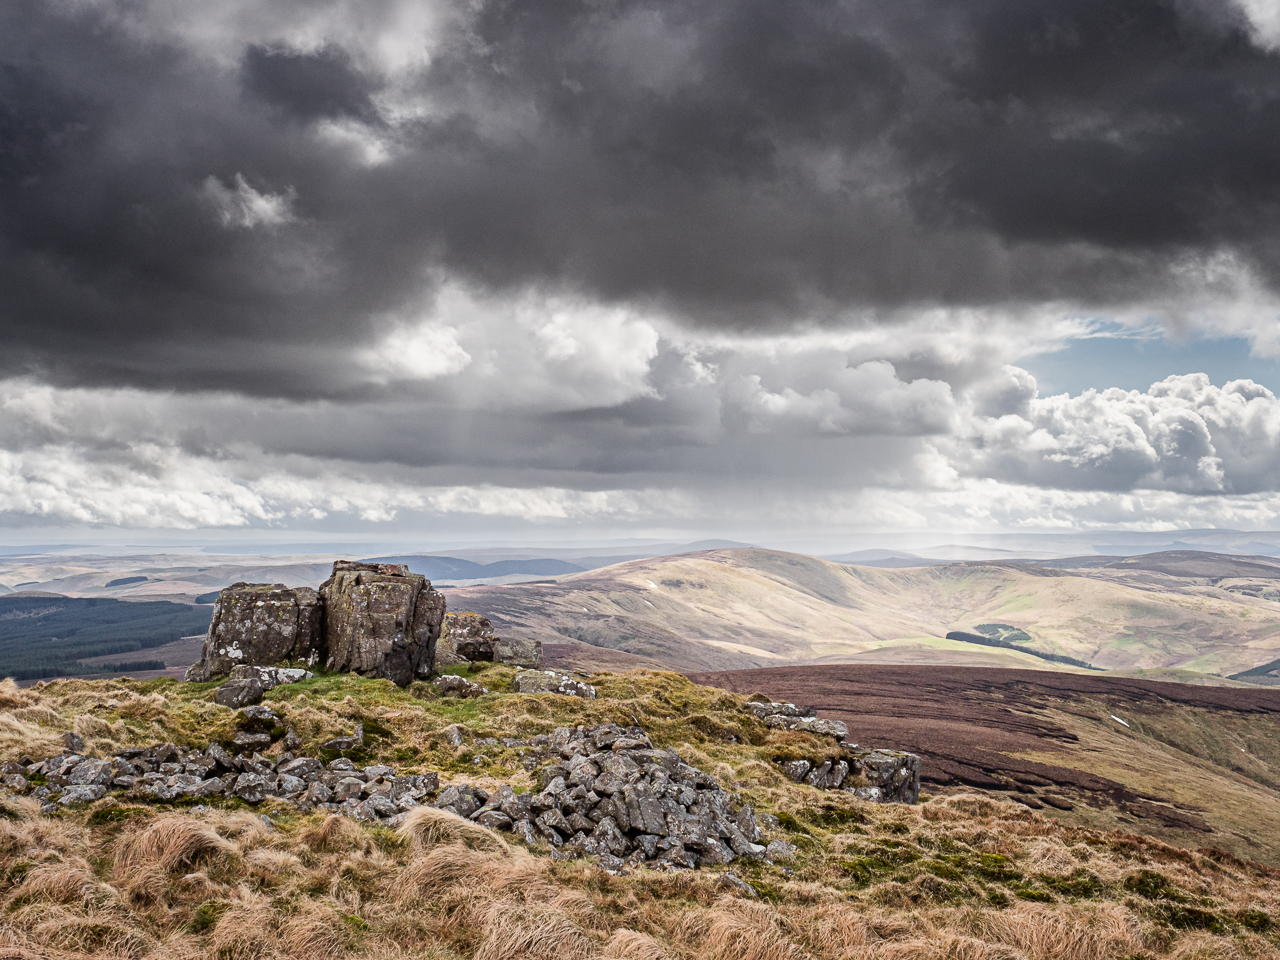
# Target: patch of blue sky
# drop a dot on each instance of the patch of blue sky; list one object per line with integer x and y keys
{"x": 1133, "y": 359}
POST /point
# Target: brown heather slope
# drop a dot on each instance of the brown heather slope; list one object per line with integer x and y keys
{"x": 725, "y": 609}
{"x": 1196, "y": 766}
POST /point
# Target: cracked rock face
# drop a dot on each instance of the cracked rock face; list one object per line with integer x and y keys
{"x": 260, "y": 624}
{"x": 381, "y": 621}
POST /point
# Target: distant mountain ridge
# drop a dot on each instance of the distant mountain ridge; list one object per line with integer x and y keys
{"x": 1190, "y": 610}
{"x": 452, "y": 568}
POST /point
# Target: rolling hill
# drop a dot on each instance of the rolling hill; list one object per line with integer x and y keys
{"x": 732, "y": 609}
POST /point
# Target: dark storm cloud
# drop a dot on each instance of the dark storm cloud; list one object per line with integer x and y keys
{"x": 172, "y": 216}
{"x": 310, "y": 86}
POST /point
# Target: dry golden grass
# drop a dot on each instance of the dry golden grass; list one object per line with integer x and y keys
{"x": 426, "y": 827}
{"x": 967, "y": 877}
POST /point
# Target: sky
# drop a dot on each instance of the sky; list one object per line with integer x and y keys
{"x": 491, "y": 270}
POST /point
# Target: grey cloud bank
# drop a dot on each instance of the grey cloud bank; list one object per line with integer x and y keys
{"x": 732, "y": 266}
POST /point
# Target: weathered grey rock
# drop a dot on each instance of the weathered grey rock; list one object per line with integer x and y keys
{"x": 247, "y": 740}
{"x": 779, "y": 851}
{"x": 289, "y": 785}
{"x": 346, "y": 788}
{"x": 381, "y": 621}
{"x": 91, "y": 772}
{"x": 885, "y": 776}
{"x": 453, "y": 734}
{"x": 251, "y": 787}
{"x": 735, "y": 884}
{"x": 465, "y": 638}
{"x": 15, "y": 782}
{"x": 493, "y": 819}
{"x": 305, "y": 768}
{"x": 773, "y": 709}
{"x": 82, "y": 793}
{"x": 451, "y": 686}
{"x": 796, "y": 770}
{"x": 518, "y": 653}
{"x": 239, "y": 693}
{"x": 548, "y": 681}
{"x": 831, "y": 728}
{"x": 260, "y": 624}
{"x": 829, "y": 775}
{"x": 270, "y": 677}
{"x": 353, "y": 742}
{"x": 73, "y": 742}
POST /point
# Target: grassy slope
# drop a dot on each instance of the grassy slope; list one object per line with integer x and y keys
{"x": 962, "y": 876}
{"x": 742, "y": 608}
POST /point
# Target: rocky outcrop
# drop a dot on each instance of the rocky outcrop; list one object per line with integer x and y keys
{"x": 260, "y": 623}
{"x": 470, "y": 638}
{"x": 380, "y": 621}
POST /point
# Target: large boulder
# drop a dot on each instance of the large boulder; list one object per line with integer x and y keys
{"x": 381, "y": 621}
{"x": 260, "y": 624}
{"x": 469, "y": 637}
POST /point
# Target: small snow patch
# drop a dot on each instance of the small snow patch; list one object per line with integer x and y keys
{"x": 650, "y": 604}
{"x": 652, "y": 584}
{"x": 1117, "y": 719}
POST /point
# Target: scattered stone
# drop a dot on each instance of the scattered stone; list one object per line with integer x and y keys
{"x": 15, "y": 783}
{"x": 890, "y": 776}
{"x": 239, "y": 693}
{"x": 796, "y": 770}
{"x": 260, "y": 624}
{"x": 381, "y": 621}
{"x": 732, "y": 882}
{"x": 451, "y": 686}
{"x": 828, "y": 776}
{"x": 548, "y": 681}
{"x": 353, "y": 742}
{"x": 73, "y": 742}
{"x": 453, "y": 734}
{"x": 767, "y": 709}
{"x": 246, "y": 740}
{"x": 779, "y": 850}
{"x": 831, "y": 728}
{"x": 270, "y": 677}
{"x": 82, "y": 793}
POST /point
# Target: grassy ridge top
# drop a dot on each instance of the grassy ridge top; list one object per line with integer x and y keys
{"x": 958, "y": 876}
{"x": 727, "y": 609}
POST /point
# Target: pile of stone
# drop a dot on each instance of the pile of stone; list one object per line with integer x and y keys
{"x": 881, "y": 776}
{"x": 611, "y": 795}
{"x": 166, "y": 772}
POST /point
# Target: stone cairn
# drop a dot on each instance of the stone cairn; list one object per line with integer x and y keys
{"x": 373, "y": 619}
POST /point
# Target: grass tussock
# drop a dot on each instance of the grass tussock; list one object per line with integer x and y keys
{"x": 427, "y": 827}
{"x": 963, "y": 877}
